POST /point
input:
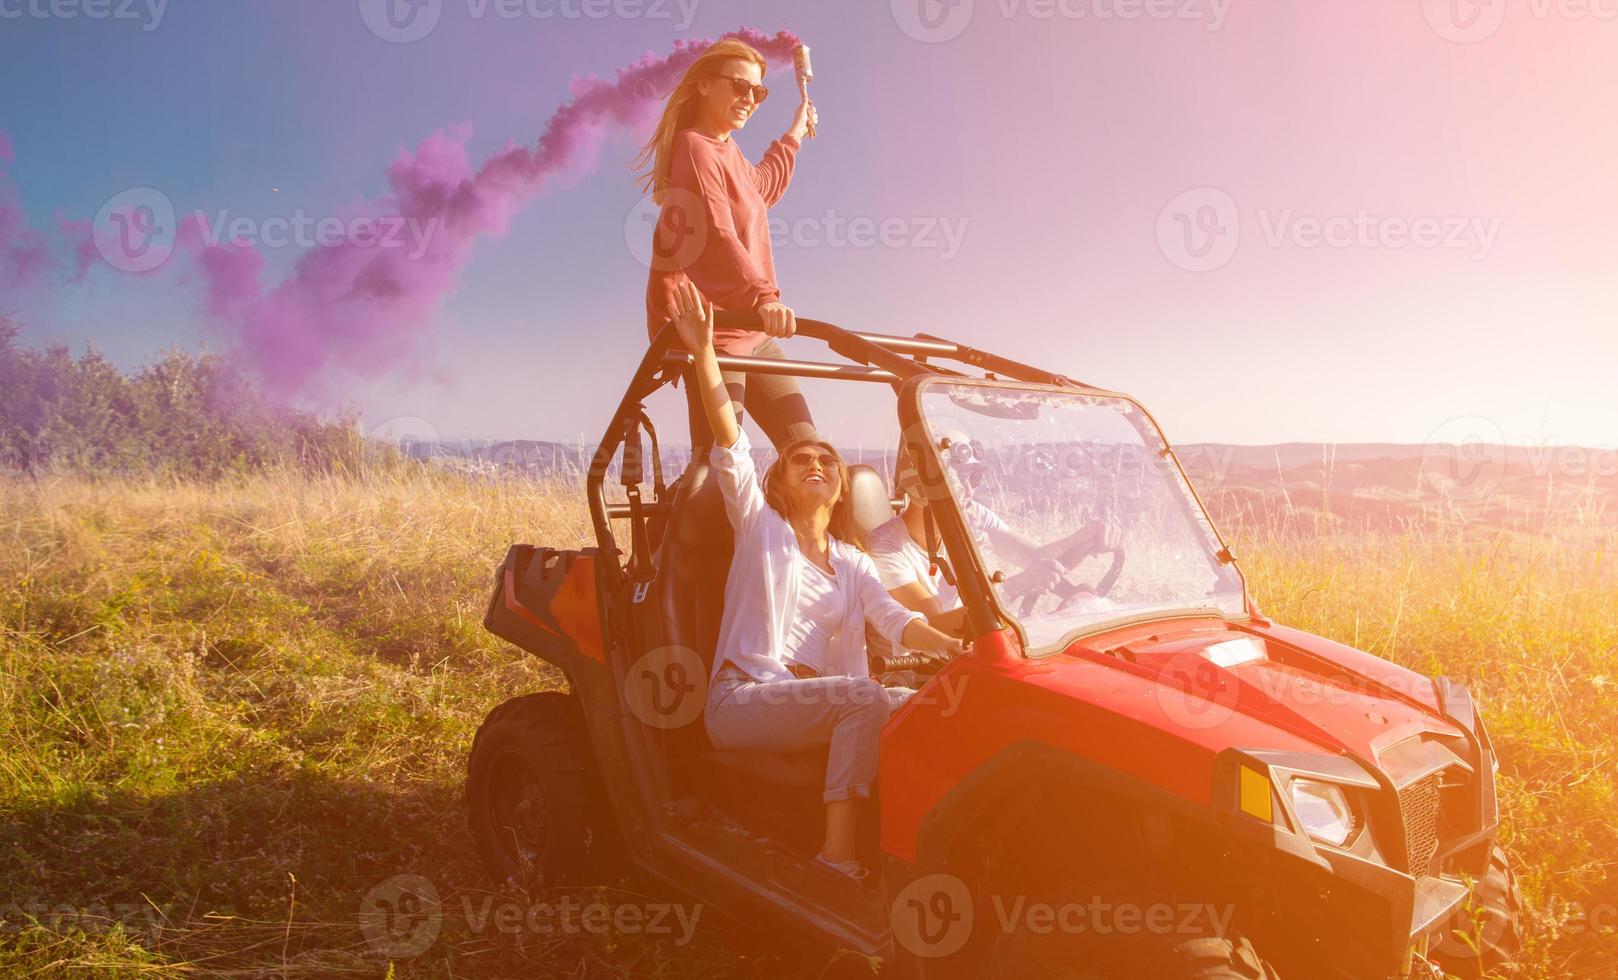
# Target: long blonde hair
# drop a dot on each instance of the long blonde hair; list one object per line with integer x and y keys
{"x": 680, "y": 110}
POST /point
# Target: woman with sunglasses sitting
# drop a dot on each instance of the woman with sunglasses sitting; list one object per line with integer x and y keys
{"x": 790, "y": 671}
{"x": 713, "y": 227}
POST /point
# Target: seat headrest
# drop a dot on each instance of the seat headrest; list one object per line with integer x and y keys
{"x": 872, "y": 506}
{"x": 702, "y": 526}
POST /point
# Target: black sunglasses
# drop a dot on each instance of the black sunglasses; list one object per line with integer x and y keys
{"x": 741, "y": 87}
{"x": 804, "y": 457}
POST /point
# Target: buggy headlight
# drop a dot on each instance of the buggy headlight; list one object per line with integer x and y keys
{"x": 1324, "y": 811}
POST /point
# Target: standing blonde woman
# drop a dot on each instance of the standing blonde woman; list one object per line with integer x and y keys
{"x": 713, "y": 229}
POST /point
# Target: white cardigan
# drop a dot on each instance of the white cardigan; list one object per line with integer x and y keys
{"x": 761, "y": 594}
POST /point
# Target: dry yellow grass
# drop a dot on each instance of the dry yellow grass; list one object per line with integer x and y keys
{"x": 227, "y": 711}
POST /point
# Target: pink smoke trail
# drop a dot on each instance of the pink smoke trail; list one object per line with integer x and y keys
{"x": 351, "y": 310}
{"x": 23, "y": 253}
{"x": 80, "y": 238}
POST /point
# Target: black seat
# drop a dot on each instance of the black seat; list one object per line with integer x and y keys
{"x": 693, "y": 566}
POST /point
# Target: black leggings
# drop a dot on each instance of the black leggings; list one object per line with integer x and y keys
{"x": 775, "y": 400}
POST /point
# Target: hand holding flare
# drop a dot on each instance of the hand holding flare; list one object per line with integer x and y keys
{"x": 806, "y": 74}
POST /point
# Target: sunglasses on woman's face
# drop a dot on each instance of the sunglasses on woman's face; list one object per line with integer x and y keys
{"x": 804, "y": 457}
{"x": 741, "y": 86}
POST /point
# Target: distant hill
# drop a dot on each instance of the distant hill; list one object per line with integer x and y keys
{"x": 1308, "y": 486}
{"x": 1383, "y": 485}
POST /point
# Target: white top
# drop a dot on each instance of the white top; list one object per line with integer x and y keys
{"x": 821, "y": 605}
{"x": 765, "y": 596}
{"x": 900, "y": 561}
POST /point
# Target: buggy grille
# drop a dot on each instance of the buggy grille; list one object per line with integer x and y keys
{"x": 1420, "y": 809}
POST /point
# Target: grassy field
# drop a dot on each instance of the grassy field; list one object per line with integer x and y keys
{"x": 228, "y": 713}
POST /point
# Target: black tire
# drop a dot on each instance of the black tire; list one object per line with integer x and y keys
{"x": 1485, "y": 938}
{"x": 532, "y": 797}
{"x": 1157, "y": 956}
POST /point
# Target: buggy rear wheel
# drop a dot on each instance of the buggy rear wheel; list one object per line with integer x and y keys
{"x": 534, "y": 818}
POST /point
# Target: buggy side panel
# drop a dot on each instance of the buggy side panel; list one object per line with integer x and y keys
{"x": 544, "y": 601}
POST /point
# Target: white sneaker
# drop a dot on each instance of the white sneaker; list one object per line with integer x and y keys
{"x": 849, "y": 869}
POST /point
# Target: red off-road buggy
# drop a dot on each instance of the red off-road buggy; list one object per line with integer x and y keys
{"x": 1132, "y": 773}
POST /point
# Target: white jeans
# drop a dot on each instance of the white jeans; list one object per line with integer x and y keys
{"x": 846, "y": 714}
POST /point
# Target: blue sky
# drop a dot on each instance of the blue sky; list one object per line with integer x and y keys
{"x": 1060, "y": 148}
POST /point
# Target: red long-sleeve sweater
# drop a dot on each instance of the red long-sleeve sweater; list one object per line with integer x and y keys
{"x": 713, "y": 228}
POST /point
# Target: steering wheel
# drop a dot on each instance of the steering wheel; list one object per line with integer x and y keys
{"x": 1025, "y": 589}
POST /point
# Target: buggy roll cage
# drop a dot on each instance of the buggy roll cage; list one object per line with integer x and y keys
{"x": 873, "y": 357}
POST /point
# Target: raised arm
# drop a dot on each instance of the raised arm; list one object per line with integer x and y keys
{"x": 731, "y": 456}
{"x": 693, "y": 321}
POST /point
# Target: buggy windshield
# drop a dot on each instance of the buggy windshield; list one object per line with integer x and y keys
{"x": 1079, "y": 515}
